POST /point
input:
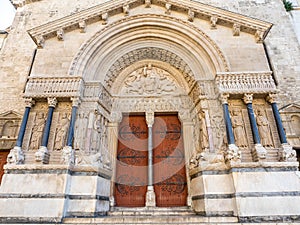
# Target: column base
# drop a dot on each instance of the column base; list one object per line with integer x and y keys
{"x": 16, "y": 156}
{"x": 260, "y": 152}
{"x": 233, "y": 153}
{"x": 287, "y": 153}
{"x": 42, "y": 155}
{"x": 68, "y": 156}
{"x": 150, "y": 197}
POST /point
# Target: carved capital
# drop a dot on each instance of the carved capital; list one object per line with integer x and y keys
{"x": 184, "y": 116}
{"x": 75, "y": 101}
{"x": 272, "y": 98}
{"x": 213, "y": 22}
{"x": 248, "y": 98}
{"x": 29, "y": 102}
{"x": 259, "y": 36}
{"x": 150, "y": 118}
{"x": 52, "y": 102}
{"x": 168, "y": 8}
{"x": 104, "y": 17}
{"x": 82, "y": 26}
{"x": 224, "y": 98}
{"x": 191, "y": 15}
{"x": 236, "y": 29}
{"x": 60, "y": 34}
{"x": 126, "y": 9}
{"x": 116, "y": 117}
{"x": 148, "y": 3}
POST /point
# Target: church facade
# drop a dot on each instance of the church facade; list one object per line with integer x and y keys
{"x": 121, "y": 110}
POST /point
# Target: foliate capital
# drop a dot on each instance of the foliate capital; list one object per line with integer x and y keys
{"x": 272, "y": 98}
{"x": 224, "y": 98}
{"x": 150, "y": 118}
{"x": 29, "y": 102}
{"x": 248, "y": 98}
{"x": 52, "y": 102}
{"x": 75, "y": 101}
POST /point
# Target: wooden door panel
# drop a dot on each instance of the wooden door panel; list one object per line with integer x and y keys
{"x": 169, "y": 164}
{"x": 132, "y": 161}
{"x": 3, "y": 157}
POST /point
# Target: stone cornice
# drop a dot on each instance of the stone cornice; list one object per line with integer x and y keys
{"x": 246, "y": 82}
{"x": 103, "y": 11}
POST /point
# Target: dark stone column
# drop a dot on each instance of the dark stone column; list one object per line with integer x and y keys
{"x": 42, "y": 155}
{"x": 68, "y": 154}
{"x": 233, "y": 153}
{"x": 16, "y": 155}
{"x": 259, "y": 149}
{"x": 287, "y": 152}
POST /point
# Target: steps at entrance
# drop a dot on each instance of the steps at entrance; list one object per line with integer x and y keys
{"x": 174, "y": 215}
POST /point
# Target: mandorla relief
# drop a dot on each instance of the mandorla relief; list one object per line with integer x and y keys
{"x": 149, "y": 80}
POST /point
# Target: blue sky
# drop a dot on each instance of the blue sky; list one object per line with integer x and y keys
{"x": 7, "y": 13}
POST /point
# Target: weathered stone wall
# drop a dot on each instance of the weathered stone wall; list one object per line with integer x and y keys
{"x": 281, "y": 43}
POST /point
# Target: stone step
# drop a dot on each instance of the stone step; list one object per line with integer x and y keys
{"x": 120, "y": 211}
{"x": 154, "y": 219}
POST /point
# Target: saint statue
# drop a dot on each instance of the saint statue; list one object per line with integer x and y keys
{"x": 264, "y": 129}
{"x": 61, "y": 132}
{"x": 37, "y": 131}
{"x": 238, "y": 128}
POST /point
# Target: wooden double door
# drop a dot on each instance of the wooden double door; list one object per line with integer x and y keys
{"x": 169, "y": 174}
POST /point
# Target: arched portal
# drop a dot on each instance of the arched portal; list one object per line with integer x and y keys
{"x": 146, "y": 73}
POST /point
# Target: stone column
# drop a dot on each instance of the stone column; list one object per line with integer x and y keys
{"x": 68, "y": 153}
{"x": 260, "y": 151}
{"x": 112, "y": 144}
{"x": 150, "y": 195}
{"x": 233, "y": 153}
{"x": 42, "y": 155}
{"x": 16, "y": 155}
{"x": 287, "y": 153}
{"x": 188, "y": 144}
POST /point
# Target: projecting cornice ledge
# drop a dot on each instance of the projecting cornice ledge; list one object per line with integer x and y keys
{"x": 194, "y": 10}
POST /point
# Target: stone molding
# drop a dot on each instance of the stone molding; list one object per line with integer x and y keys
{"x": 91, "y": 46}
{"x": 110, "y": 8}
{"x": 43, "y": 87}
{"x": 246, "y": 82}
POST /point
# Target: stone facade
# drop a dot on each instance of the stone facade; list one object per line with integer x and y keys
{"x": 227, "y": 69}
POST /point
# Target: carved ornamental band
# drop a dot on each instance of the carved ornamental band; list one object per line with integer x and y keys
{"x": 246, "y": 82}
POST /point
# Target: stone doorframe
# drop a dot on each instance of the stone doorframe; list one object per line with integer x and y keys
{"x": 150, "y": 106}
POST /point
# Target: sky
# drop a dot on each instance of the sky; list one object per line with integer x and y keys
{"x": 7, "y": 13}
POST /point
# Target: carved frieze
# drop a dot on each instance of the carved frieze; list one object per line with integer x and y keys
{"x": 53, "y": 87}
{"x": 245, "y": 82}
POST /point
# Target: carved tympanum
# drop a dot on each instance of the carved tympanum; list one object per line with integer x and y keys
{"x": 149, "y": 80}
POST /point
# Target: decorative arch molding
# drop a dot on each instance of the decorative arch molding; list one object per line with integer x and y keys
{"x": 176, "y": 36}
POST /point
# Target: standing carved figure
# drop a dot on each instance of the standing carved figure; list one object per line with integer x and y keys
{"x": 238, "y": 129}
{"x": 37, "y": 131}
{"x": 203, "y": 132}
{"x": 264, "y": 129}
{"x": 61, "y": 132}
